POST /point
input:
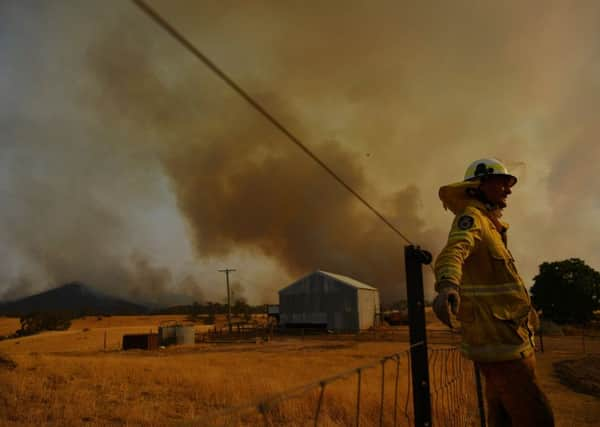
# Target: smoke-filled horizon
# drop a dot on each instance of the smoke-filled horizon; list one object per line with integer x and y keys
{"x": 127, "y": 165}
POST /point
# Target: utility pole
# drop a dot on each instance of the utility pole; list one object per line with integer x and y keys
{"x": 226, "y": 271}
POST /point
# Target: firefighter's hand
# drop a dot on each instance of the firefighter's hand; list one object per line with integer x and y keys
{"x": 447, "y": 301}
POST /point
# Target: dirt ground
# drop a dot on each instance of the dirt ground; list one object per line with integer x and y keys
{"x": 571, "y": 408}
{"x": 581, "y": 375}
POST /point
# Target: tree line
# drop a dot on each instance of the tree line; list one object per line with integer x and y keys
{"x": 566, "y": 291}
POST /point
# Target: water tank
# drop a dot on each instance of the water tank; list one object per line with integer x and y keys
{"x": 185, "y": 334}
{"x": 167, "y": 334}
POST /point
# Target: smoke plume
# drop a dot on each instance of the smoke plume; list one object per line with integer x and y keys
{"x": 127, "y": 163}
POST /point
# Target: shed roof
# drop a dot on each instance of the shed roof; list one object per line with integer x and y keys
{"x": 348, "y": 280}
{"x": 340, "y": 278}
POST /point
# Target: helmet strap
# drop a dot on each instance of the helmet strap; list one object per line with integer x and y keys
{"x": 477, "y": 194}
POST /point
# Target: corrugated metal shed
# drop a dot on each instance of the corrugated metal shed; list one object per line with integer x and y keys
{"x": 328, "y": 300}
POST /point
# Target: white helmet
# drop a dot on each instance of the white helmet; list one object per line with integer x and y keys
{"x": 484, "y": 167}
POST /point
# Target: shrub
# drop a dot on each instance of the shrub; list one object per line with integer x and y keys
{"x": 44, "y": 321}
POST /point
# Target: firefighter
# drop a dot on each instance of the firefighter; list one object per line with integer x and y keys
{"x": 477, "y": 281}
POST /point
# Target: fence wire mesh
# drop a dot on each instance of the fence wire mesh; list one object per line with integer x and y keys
{"x": 583, "y": 340}
{"x": 453, "y": 389}
{"x": 375, "y": 394}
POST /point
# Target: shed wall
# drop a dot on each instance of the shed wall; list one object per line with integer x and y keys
{"x": 368, "y": 308}
{"x": 318, "y": 300}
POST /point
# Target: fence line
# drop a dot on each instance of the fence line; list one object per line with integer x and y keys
{"x": 453, "y": 391}
{"x": 386, "y": 401}
{"x": 589, "y": 341}
{"x": 382, "y": 399}
{"x": 266, "y": 406}
{"x": 266, "y": 333}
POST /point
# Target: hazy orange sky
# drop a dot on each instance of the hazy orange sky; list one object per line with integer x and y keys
{"x": 126, "y": 164}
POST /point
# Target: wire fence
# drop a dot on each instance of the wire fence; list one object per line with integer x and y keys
{"x": 376, "y": 391}
{"x": 454, "y": 400}
{"x": 381, "y": 393}
{"x": 569, "y": 339}
{"x": 375, "y": 394}
{"x": 268, "y": 333}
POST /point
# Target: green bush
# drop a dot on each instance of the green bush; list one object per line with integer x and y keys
{"x": 567, "y": 291}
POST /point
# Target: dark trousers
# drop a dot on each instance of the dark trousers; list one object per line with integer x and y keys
{"x": 513, "y": 395}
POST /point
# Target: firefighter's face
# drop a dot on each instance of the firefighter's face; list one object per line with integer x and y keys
{"x": 496, "y": 189}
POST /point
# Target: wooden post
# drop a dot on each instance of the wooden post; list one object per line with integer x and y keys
{"x": 227, "y": 271}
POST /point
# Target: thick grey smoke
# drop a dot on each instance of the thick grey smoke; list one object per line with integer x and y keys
{"x": 241, "y": 184}
{"x": 398, "y": 99}
{"x": 72, "y": 211}
{"x": 79, "y": 202}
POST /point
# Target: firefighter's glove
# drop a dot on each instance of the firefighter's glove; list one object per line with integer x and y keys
{"x": 446, "y": 303}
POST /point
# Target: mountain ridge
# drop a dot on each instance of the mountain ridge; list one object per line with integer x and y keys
{"x": 75, "y": 297}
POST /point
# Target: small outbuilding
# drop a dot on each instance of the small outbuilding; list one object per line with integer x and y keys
{"x": 140, "y": 341}
{"x": 329, "y": 301}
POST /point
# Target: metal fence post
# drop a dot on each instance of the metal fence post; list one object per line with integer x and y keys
{"x": 414, "y": 258}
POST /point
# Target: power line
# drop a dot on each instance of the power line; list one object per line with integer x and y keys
{"x": 155, "y": 16}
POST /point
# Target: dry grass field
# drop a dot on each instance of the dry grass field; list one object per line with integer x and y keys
{"x": 67, "y": 379}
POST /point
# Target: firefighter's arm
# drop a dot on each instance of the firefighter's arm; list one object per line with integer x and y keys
{"x": 463, "y": 237}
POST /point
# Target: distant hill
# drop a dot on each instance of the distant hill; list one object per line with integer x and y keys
{"x": 73, "y": 297}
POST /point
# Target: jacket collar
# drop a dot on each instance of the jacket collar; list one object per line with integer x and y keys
{"x": 456, "y": 197}
{"x": 493, "y": 214}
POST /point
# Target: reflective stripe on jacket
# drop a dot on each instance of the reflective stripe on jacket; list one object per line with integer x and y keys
{"x": 495, "y": 311}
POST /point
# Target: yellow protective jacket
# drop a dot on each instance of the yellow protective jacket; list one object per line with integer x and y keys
{"x": 495, "y": 311}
